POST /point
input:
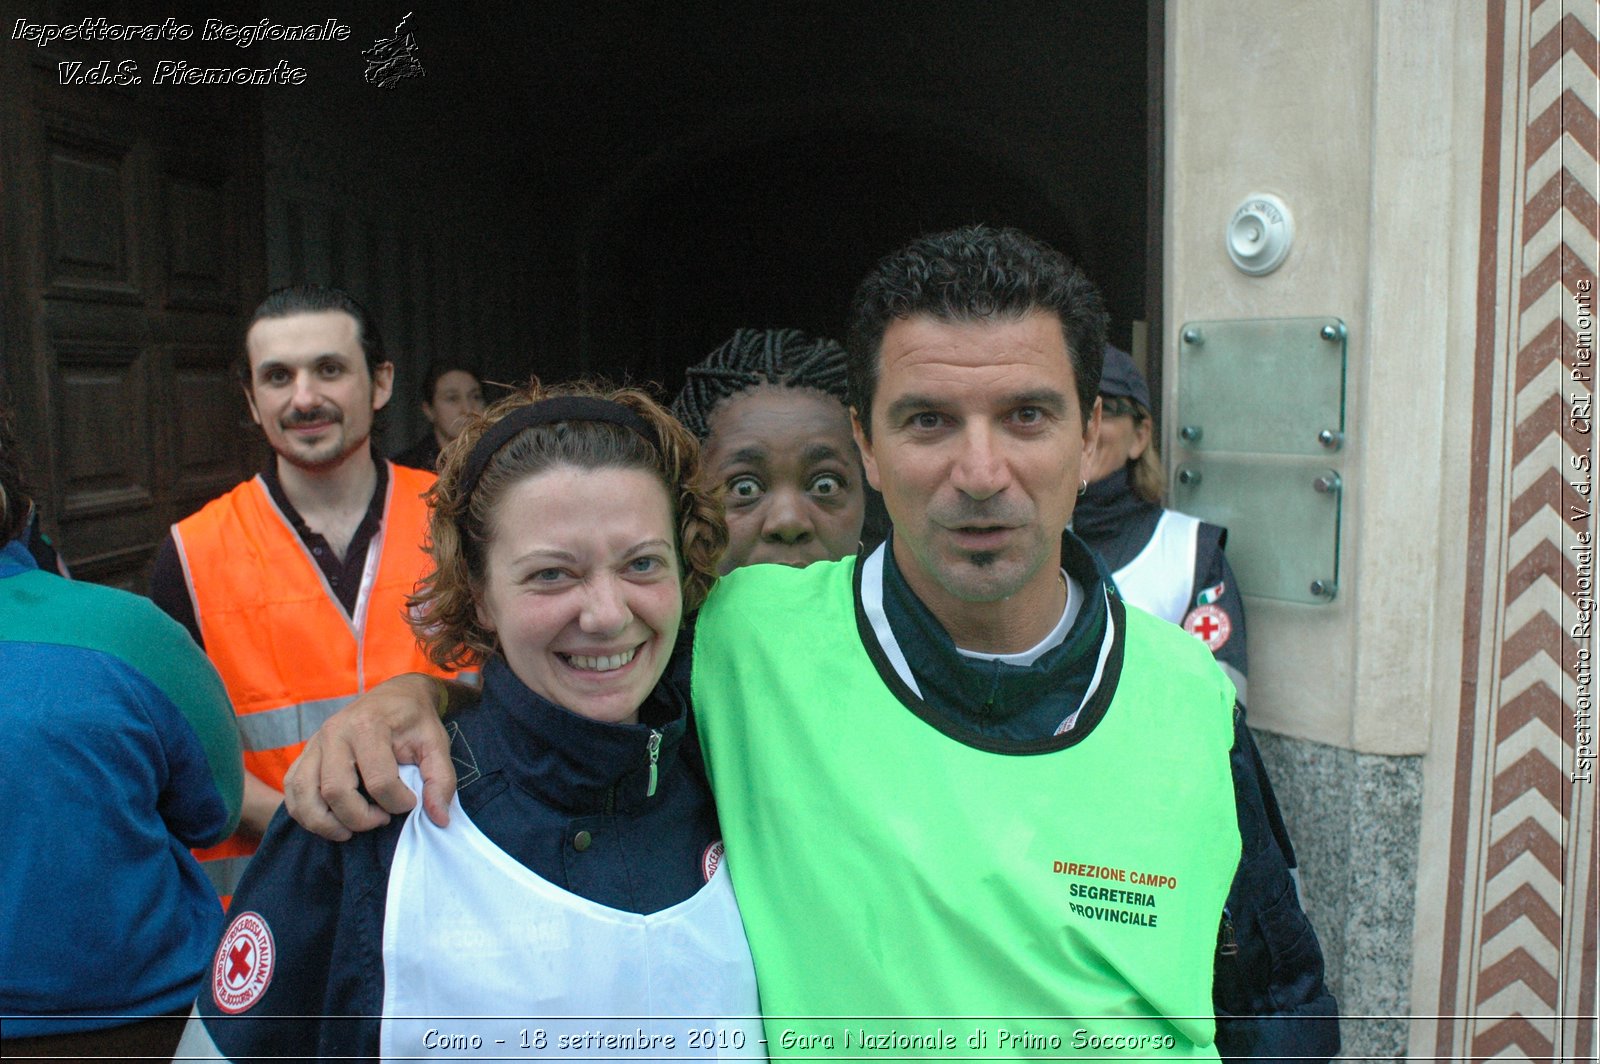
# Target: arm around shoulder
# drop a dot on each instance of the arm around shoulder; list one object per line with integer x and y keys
{"x": 363, "y": 745}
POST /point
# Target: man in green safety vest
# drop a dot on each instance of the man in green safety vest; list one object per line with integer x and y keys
{"x": 972, "y": 803}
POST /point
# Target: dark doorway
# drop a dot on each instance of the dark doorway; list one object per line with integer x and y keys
{"x": 690, "y": 172}
{"x": 777, "y": 235}
{"x": 130, "y": 245}
{"x": 609, "y": 187}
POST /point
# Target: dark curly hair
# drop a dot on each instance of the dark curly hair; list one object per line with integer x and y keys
{"x": 444, "y": 611}
{"x": 972, "y": 274}
{"x": 788, "y": 358}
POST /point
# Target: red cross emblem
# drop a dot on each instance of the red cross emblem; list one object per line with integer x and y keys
{"x": 239, "y": 962}
{"x": 1210, "y": 625}
{"x": 243, "y": 966}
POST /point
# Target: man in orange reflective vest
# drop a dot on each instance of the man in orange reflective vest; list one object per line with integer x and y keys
{"x": 295, "y": 582}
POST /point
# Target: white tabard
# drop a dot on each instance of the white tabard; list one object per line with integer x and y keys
{"x": 1160, "y": 579}
{"x": 482, "y": 955}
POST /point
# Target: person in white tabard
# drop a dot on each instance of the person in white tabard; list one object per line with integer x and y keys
{"x": 1165, "y": 562}
{"x": 577, "y": 904}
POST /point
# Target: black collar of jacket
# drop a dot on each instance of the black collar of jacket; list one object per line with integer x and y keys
{"x": 580, "y": 766}
{"x": 1110, "y": 512}
{"x": 983, "y": 693}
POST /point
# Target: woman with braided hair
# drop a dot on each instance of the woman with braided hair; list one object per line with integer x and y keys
{"x": 771, "y": 408}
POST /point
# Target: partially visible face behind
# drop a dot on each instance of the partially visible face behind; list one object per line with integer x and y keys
{"x": 790, "y": 476}
{"x": 582, "y": 587}
{"x": 1123, "y": 438}
{"x": 456, "y": 395}
{"x": 309, "y": 387}
{"x": 977, "y": 445}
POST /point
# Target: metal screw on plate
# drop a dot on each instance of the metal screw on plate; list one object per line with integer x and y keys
{"x": 1335, "y": 331}
{"x": 1191, "y": 433}
{"x": 1193, "y": 336}
{"x": 1188, "y": 476}
{"x": 1330, "y": 439}
{"x": 1327, "y": 483}
{"x": 1324, "y": 588}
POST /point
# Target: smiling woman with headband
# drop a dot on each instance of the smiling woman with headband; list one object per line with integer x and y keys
{"x": 581, "y": 874}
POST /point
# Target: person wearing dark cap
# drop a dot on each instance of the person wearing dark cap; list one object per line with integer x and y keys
{"x": 1165, "y": 562}
{"x": 1171, "y": 564}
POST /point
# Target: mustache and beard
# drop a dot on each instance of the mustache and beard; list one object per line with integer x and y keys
{"x": 314, "y": 456}
{"x": 315, "y": 416}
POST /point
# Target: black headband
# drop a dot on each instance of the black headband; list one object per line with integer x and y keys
{"x": 548, "y": 412}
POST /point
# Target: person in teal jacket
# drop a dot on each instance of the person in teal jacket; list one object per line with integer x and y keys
{"x": 122, "y": 753}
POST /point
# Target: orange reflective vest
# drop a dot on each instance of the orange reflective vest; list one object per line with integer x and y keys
{"x": 288, "y": 653}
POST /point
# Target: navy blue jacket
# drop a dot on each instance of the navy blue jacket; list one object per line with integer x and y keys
{"x": 532, "y": 777}
{"x": 1117, "y": 525}
{"x": 1268, "y": 989}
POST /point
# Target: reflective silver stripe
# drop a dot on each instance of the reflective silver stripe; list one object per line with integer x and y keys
{"x": 274, "y": 728}
{"x": 369, "y": 580}
{"x": 225, "y": 873}
{"x": 188, "y": 580}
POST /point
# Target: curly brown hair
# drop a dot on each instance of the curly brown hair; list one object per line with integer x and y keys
{"x": 444, "y": 609}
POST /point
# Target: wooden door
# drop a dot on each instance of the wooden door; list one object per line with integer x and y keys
{"x": 131, "y": 247}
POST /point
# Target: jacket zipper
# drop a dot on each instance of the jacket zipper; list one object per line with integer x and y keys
{"x": 1228, "y": 944}
{"x": 654, "y": 748}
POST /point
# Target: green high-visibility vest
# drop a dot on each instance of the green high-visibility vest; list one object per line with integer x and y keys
{"x": 903, "y": 888}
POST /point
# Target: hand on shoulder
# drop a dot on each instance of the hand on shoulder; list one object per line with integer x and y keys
{"x": 362, "y": 746}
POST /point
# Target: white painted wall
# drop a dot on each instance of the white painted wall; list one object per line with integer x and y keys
{"x": 1351, "y": 113}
